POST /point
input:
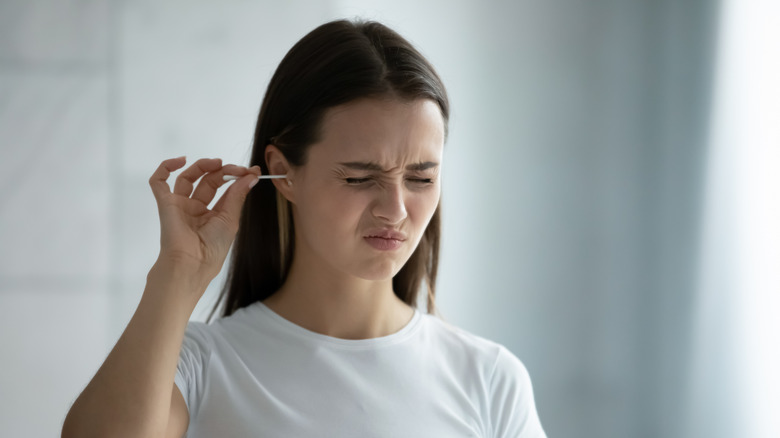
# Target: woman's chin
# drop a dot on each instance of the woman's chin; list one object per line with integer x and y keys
{"x": 380, "y": 271}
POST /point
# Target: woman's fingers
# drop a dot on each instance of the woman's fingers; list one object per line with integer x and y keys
{"x": 231, "y": 202}
{"x": 207, "y": 187}
{"x": 186, "y": 180}
{"x": 158, "y": 181}
{"x": 187, "y": 225}
{"x": 210, "y": 172}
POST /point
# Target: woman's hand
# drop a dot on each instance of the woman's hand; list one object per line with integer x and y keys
{"x": 133, "y": 393}
{"x": 193, "y": 239}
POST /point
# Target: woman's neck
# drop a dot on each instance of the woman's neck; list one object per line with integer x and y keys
{"x": 336, "y": 304}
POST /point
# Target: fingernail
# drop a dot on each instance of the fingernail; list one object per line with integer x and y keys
{"x": 254, "y": 181}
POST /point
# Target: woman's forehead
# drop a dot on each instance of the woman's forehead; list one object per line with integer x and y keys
{"x": 383, "y": 130}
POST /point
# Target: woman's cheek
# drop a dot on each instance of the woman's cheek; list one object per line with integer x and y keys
{"x": 425, "y": 204}
{"x": 344, "y": 206}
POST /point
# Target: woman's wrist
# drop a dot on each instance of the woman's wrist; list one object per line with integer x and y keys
{"x": 177, "y": 281}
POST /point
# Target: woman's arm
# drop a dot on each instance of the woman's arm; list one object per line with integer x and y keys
{"x": 133, "y": 393}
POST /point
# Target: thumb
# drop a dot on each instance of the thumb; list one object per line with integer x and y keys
{"x": 233, "y": 200}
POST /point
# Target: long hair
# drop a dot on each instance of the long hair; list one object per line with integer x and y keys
{"x": 336, "y": 63}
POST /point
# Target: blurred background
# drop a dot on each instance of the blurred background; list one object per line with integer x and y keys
{"x": 611, "y": 205}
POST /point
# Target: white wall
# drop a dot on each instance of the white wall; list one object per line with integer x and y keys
{"x": 570, "y": 180}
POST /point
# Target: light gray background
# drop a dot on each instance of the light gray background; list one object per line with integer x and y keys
{"x": 571, "y": 181}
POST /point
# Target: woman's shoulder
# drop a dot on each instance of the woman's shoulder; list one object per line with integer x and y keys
{"x": 463, "y": 343}
{"x": 206, "y": 333}
{"x": 502, "y": 377}
{"x": 451, "y": 333}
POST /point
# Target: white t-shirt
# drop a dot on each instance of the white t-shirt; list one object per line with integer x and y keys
{"x": 256, "y": 374}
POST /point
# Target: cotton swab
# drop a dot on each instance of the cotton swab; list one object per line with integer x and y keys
{"x": 233, "y": 177}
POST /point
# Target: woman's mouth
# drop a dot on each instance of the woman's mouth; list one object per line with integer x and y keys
{"x": 385, "y": 240}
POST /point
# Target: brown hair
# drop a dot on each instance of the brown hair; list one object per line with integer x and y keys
{"x": 336, "y": 63}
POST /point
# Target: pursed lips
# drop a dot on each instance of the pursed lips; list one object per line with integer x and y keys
{"x": 385, "y": 240}
{"x": 387, "y": 234}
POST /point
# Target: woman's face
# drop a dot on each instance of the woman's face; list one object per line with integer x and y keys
{"x": 369, "y": 187}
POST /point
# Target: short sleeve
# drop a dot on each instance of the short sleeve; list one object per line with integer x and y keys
{"x": 194, "y": 358}
{"x": 512, "y": 407}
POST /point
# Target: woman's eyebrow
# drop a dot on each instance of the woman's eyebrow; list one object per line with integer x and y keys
{"x": 373, "y": 167}
{"x": 425, "y": 165}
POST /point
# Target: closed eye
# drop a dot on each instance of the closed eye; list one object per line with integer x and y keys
{"x": 421, "y": 180}
{"x": 359, "y": 181}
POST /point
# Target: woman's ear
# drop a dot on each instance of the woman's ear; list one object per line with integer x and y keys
{"x": 278, "y": 165}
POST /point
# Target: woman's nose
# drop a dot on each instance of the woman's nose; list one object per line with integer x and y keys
{"x": 391, "y": 205}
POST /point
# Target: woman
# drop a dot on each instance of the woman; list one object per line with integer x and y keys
{"x": 319, "y": 334}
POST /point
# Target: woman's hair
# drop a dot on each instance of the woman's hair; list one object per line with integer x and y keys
{"x": 336, "y": 63}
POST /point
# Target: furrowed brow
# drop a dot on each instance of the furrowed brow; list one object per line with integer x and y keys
{"x": 418, "y": 167}
{"x": 373, "y": 167}
{"x": 357, "y": 165}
